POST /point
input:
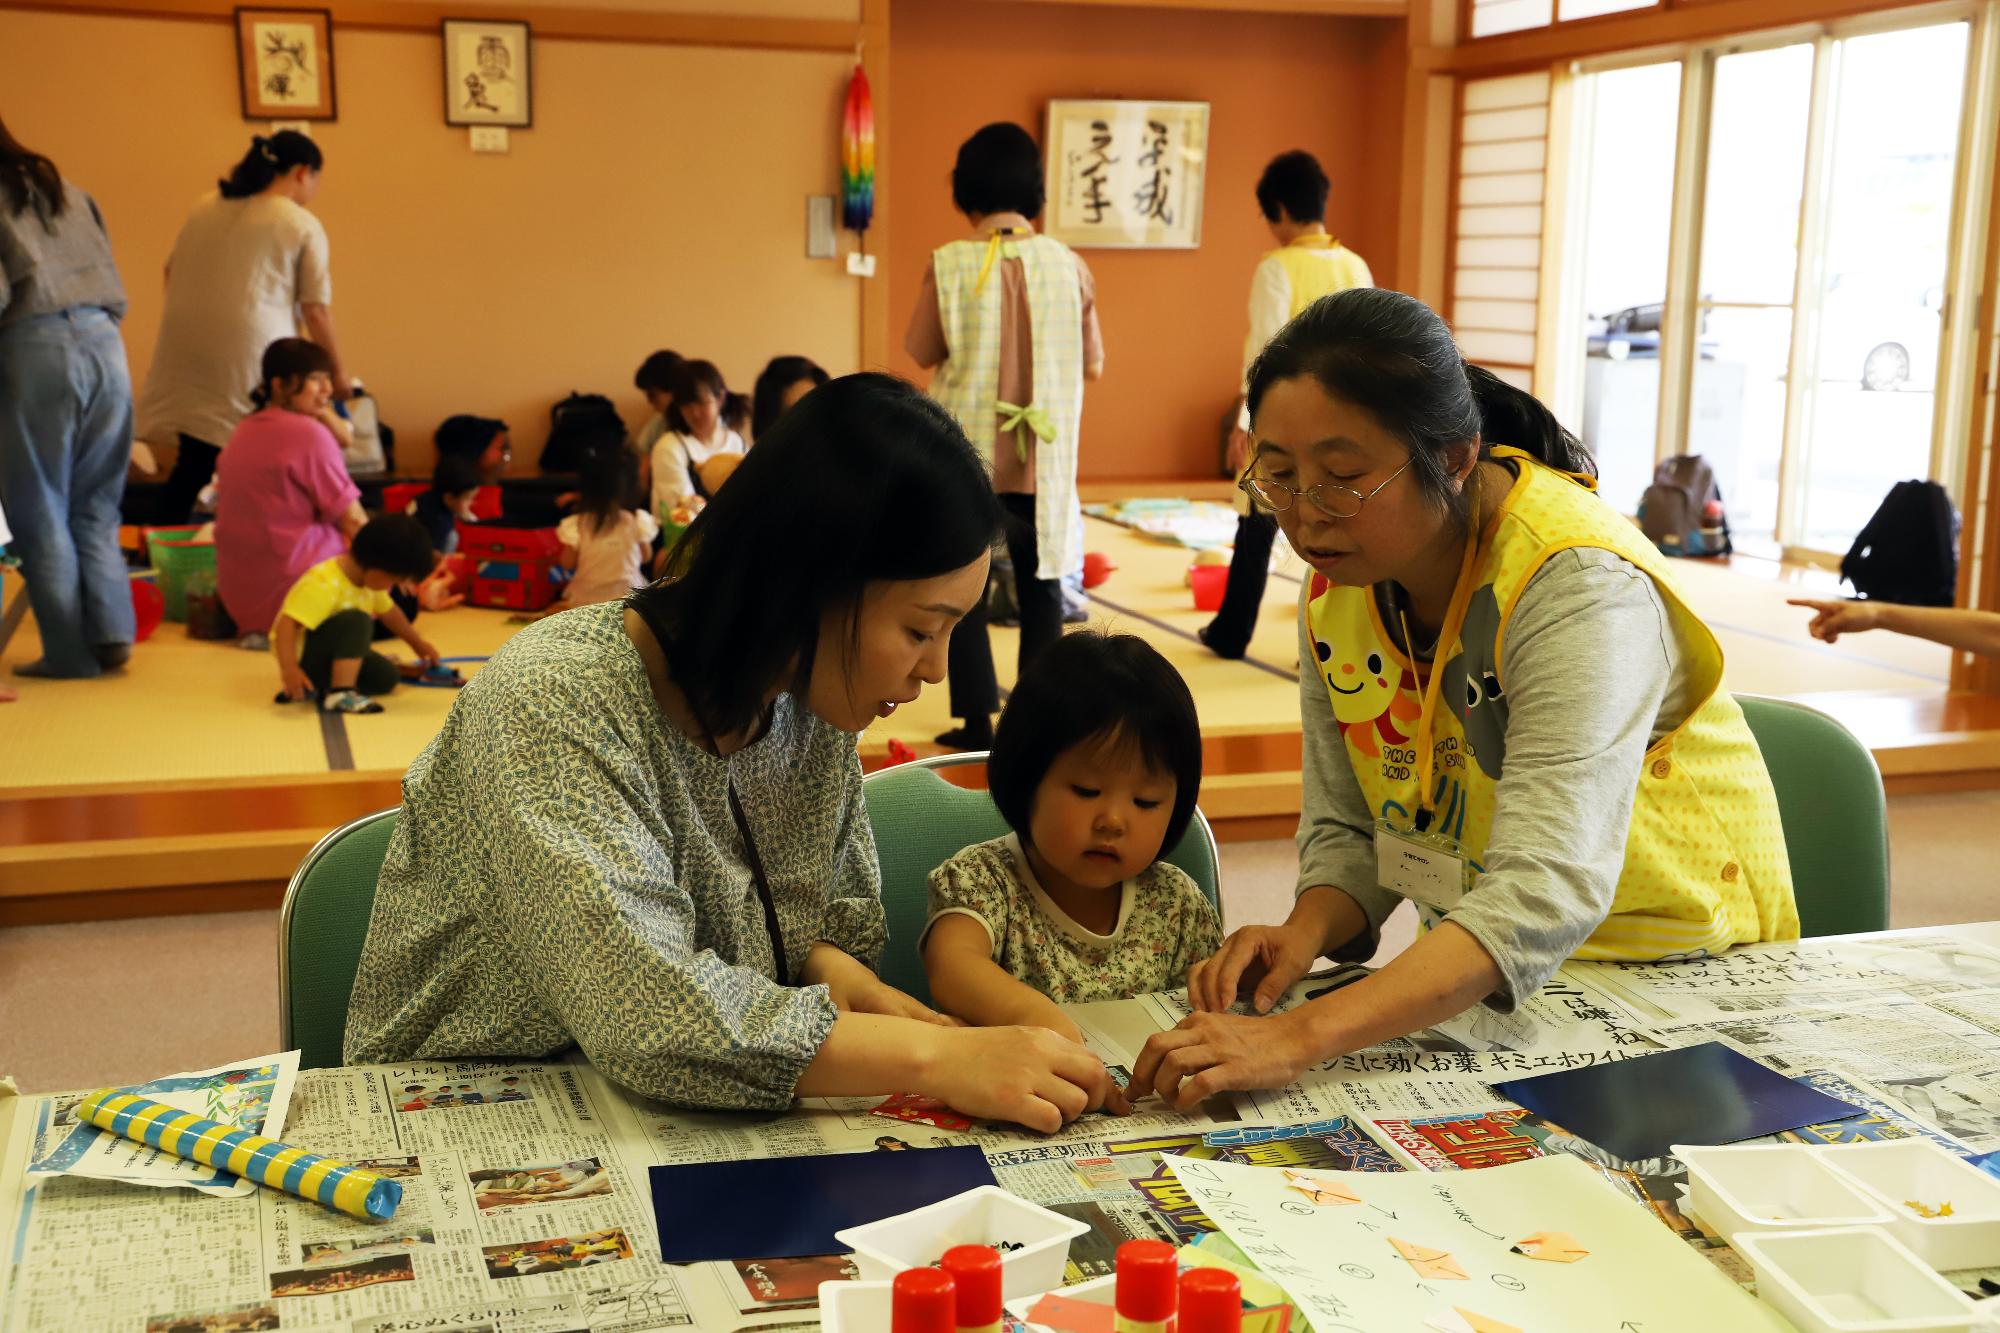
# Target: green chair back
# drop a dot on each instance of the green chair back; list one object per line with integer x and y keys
{"x": 320, "y": 930}
{"x": 1836, "y": 819}
{"x": 921, "y": 821}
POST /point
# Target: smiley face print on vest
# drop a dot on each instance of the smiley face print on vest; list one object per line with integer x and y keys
{"x": 1374, "y": 699}
{"x": 1471, "y": 686}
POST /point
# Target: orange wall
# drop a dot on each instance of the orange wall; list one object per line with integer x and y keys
{"x": 1173, "y": 320}
{"x": 659, "y": 200}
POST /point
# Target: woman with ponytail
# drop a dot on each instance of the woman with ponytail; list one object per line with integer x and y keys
{"x": 249, "y": 268}
{"x": 65, "y": 415}
{"x": 1510, "y": 718}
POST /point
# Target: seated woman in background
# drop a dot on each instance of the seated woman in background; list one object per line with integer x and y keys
{"x": 284, "y": 501}
{"x": 606, "y": 540}
{"x": 695, "y": 434}
{"x": 784, "y": 381}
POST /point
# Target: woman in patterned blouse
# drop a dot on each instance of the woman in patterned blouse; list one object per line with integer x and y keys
{"x": 641, "y": 833}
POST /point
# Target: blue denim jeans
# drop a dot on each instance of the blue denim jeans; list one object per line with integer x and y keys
{"x": 65, "y": 440}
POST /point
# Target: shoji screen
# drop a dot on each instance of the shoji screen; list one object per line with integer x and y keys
{"x": 1497, "y": 227}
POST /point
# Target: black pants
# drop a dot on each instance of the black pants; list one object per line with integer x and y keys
{"x": 975, "y": 691}
{"x": 194, "y": 468}
{"x": 1228, "y": 635}
{"x": 343, "y": 636}
{"x": 407, "y": 603}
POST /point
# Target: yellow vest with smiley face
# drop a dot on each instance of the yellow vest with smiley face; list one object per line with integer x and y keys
{"x": 1705, "y": 863}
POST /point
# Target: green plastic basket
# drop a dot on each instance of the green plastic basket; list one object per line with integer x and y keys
{"x": 180, "y": 562}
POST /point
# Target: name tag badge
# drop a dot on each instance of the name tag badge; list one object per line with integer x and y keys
{"x": 1424, "y": 868}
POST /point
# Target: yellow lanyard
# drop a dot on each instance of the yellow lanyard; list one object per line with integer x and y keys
{"x": 1454, "y": 623}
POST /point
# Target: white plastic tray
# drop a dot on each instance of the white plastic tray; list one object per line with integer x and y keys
{"x": 854, "y": 1307}
{"x": 1854, "y": 1280}
{"x": 1755, "y": 1189}
{"x": 1897, "y": 1172}
{"x": 987, "y": 1215}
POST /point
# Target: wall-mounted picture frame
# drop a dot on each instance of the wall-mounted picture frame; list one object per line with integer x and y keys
{"x": 487, "y": 73}
{"x": 284, "y": 63}
{"x": 1126, "y": 174}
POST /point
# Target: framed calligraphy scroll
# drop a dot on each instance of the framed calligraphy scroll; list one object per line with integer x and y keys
{"x": 1126, "y": 175}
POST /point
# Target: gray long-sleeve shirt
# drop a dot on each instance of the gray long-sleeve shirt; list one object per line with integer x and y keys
{"x": 1593, "y": 677}
{"x": 566, "y": 872}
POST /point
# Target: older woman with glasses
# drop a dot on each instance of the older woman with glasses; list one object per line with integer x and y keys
{"x": 1509, "y": 718}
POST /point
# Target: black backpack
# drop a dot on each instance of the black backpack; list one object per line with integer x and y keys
{"x": 1908, "y": 552}
{"x": 578, "y": 424}
{"x": 1674, "y": 511}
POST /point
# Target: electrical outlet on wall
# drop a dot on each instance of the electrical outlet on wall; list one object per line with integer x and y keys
{"x": 489, "y": 138}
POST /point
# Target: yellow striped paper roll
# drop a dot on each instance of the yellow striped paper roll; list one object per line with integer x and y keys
{"x": 348, "y": 1189}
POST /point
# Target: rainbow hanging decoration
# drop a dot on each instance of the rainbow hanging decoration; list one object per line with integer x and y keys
{"x": 857, "y": 155}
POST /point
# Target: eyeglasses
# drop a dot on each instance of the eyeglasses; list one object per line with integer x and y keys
{"x": 1334, "y": 501}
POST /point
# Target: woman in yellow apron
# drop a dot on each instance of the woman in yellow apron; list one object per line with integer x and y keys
{"x": 1509, "y": 716}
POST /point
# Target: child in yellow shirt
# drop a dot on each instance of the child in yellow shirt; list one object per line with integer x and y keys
{"x": 323, "y": 630}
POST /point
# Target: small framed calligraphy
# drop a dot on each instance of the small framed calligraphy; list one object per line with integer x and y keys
{"x": 1126, "y": 174}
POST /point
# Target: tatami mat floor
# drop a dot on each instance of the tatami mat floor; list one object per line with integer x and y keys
{"x": 187, "y": 710}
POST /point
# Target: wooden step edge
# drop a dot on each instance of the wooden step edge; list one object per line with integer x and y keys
{"x": 118, "y": 864}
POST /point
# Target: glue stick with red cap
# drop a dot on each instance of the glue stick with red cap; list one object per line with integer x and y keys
{"x": 1211, "y": 1301}
{"x": 923, "y": 1300}
{"x": 975, "y": 1269}
{"x": 1147, "y": 1273}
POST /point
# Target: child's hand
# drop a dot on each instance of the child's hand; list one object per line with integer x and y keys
{"x": 1833, "y": 619}
{"x": 296, "y": 685}
{"x": 426, "y": 651}
{"x": 435, "y": 594}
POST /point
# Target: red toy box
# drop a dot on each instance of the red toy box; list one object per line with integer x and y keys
{"x": 513, "y": 568}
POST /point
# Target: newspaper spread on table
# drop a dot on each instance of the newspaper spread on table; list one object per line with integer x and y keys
{"x": 527, "y": 1205}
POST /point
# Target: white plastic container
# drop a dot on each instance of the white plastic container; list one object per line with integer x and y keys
{"x": 1757, "y": 1189}
{"x": 1897, "y": 1172}
{"x": 988, "y": 1215}
{"x": 854, "y": 1307}
{"x": 1854, "y": 1280}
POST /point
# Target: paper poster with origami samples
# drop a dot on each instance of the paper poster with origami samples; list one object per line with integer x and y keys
{"x": 1532, "y": 1246}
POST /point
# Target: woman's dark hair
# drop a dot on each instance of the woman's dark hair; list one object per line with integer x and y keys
{"x": 1390, "y": 355}
{"x": 686, "y": 385}
{"x": 736, "y": 412}
{"x": 656, "y": 372}
{"x": 1090, "y": 687}
{"x": 395, "y": 544}
{"x": 999, "y": 170}
{"x": 289, "y": 359}
{"x": 865, "y": 481}
{"x": 1294, "y": 180}
{"x": 268, "y": 159}
{"x": 608, "y": 484}
{"x": 767, "y": 399}
{"x": 29, "y": 180}
{"x": 455, "y": 474}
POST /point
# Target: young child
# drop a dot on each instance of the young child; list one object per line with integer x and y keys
{"x": 322, "y": 633}
{"x": 1095, "y": 765}
{"x": 606, "y": 540}
{"x": 454, "y": 485}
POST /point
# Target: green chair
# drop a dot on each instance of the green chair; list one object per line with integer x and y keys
{"x": 921, "y": 821}
{"x": 320, "y": 929}
{"x": 1836, "y": 820}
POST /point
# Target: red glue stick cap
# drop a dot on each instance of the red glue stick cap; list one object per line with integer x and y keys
{"x": 1211, "y": 1301}
{"x": 1147, "y": 1270}
{"x": 923, "y": 1300}
{"x": 976, "y": 1270}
